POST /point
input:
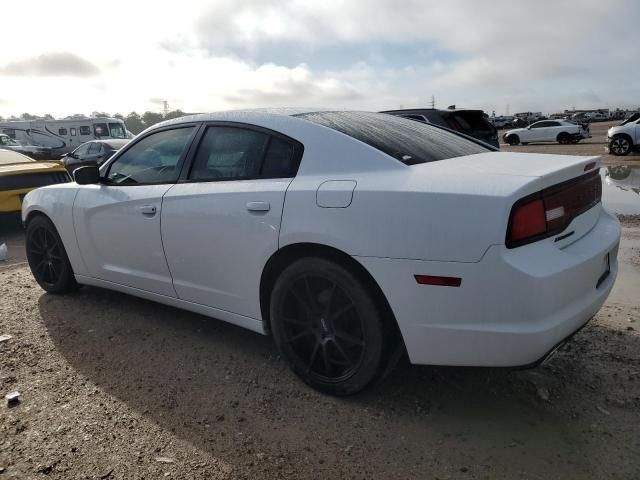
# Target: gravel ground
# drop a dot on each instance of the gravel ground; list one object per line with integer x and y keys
{"x": 115, "y": 387}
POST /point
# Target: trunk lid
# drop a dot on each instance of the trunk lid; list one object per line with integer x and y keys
{"x": 543, "y": 169}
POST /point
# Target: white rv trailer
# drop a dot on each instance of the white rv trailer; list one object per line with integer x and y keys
{"x": 62, "y": 136}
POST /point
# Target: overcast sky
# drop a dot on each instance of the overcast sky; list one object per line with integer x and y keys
{"x": 69, "y": 57}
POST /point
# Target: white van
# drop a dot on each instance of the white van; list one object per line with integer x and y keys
{"x": 62, "y": 136}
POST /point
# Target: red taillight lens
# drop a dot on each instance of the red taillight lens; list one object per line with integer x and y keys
{"x": 550, "y": 211}
{"x": 528, "y": 221}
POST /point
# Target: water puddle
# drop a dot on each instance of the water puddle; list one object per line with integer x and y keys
{"x": 621, "y": 189}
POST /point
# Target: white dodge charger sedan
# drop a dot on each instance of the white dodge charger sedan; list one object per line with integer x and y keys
{"x": 348, "y": 236}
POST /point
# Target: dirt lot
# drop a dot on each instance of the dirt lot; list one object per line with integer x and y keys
{"x": 115, "y": 387}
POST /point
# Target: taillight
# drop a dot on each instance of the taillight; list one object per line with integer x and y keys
{"x": 550, "y": 211}
{"x": 528, "y": 220}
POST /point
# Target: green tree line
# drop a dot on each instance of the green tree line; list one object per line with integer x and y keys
{"x": 135, "y": 122}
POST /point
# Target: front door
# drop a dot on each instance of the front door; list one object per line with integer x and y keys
{"x": 221, "y": 226}
{"x": 118, "y": 221}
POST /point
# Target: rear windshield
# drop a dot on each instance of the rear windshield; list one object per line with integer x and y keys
{"x": 468, "y": 122}
{"x": 405, "y": 140}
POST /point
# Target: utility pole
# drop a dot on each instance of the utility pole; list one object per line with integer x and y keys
{"x": 433, "y": 101}
{"x": 165, "y": 108}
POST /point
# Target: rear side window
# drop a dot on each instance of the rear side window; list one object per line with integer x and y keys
{"x": 235, "y": 153}
{"x": 408, "y": 141}
{"x": 95, "y": 148}
{"x": 227, "y": 153}
{"x": 469, "y": 122}
{"x": 280, "y": 160}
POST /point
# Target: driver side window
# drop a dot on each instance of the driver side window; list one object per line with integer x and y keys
{"x": 154, "y": 159}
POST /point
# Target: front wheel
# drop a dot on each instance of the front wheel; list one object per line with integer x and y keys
{"x": 620, "y": 146}
{"x": 328, "y": 327}
{"x": 47, "y": 257}
{"x": 513, "y": 140}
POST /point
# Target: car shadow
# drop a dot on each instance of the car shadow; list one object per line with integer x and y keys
{"x": 224, "y": 389}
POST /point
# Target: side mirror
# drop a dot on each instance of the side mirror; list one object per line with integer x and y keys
{"x": 87, "y": 175}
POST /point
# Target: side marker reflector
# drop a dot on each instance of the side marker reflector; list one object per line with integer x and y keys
{"x": 440, "y": 281}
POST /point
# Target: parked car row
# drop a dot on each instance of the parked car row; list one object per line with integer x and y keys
{"x": 33, "y": 151}
{"x": 350, "y": 237}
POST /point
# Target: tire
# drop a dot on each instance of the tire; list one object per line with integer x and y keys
{"x": 47, "y": 257}
{"x": 328, "y": 327}
{"x": 564, "y": 138}
{"x": 513, "y": 140}
{"x": 525, "y": 143}
{"x": 620, "y": 146}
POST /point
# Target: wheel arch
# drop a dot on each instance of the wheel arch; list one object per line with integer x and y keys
{"x": 624, "y": 134}
{"x": 290, "y": 253}
{"x": 36, "y": 213}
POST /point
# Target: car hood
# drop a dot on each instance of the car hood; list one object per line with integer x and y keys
{"x": 30, "y": 167}
{"x": 515, "y": 130}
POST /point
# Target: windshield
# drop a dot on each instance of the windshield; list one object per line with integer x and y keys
{"x": 8, "y": 156}
{"x": 408, "y": 141}
{"x": 117, "y": 130}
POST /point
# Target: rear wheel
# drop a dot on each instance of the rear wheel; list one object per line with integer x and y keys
{"x": 47, "y": 257}
{"x": 513, "y": 140}
{"x": 620, "y": 146}
{"x": 328, "y": 327}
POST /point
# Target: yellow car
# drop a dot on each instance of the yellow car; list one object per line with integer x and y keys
{"x": 20, "y": 174}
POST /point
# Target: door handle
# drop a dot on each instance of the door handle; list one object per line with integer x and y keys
{"x": 148, "y": 210}
{"x": 258, "y": 206}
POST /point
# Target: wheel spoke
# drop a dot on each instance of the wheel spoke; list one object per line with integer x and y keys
{"x": 316, "y": 347}
{"x": 312, "y": 299}
{"x": 295, "y": 321}
{"x": 298, "y": 336}
{"x": 301, "y": 301}
{"x": 325, "y": 359}
{"x": 347, "y": 337}
{"x": 344, "y": 354}
{"x": 341, "y": 311}
{"x": 327, "y": 308}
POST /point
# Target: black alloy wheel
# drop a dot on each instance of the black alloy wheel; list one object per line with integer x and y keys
{"x": 327, "y": 326}
{"x": 513, "y": 140}
{"x": 620, "y": 146}
{"x": 47, "y": 257}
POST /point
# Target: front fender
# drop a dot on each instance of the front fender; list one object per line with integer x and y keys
{"x": 56, "y": 202}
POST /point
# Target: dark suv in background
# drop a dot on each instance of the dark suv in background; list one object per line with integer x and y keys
{"x": 474, "y": 123}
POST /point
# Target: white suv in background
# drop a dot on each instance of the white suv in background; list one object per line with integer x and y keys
{"x": 624, "y": 138}
{"x": 561, "y": 131}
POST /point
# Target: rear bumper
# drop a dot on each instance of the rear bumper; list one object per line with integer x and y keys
{"x": 11, "y": 200}
{"x": 513, "y": 306}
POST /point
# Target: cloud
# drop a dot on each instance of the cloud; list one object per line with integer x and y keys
{"x": 276, "y": 85}
{"x": 51, "y": 65}
{"x": 367, "y": 54}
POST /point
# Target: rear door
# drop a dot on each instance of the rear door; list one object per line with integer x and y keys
{"x": 117, "y": 222}
{"x": 221, "y": 225}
